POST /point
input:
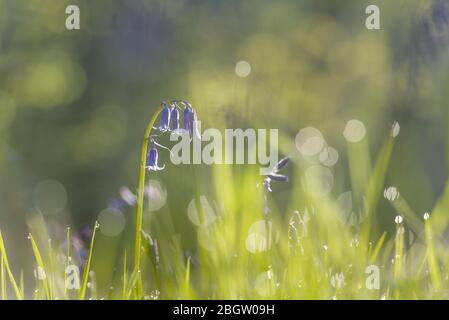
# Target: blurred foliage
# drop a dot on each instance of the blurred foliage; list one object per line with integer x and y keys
{"x": 74, "y": 104}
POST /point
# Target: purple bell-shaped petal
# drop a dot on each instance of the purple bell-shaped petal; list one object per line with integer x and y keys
{"x": 188, "y": 118}
{"x": 278, "y": 177}
{"x": 174, "y": 117}
{"x": 165, "y": 119}
{"x": 152, "y": 160}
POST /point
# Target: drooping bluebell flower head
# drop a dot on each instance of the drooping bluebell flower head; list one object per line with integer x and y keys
{"x": 274, "y": 175}
{"x": 152, "y": 157}
{"x": 190, "y": 121}
{"x": 174, "y": 113}
{"x": 165, "y": 119}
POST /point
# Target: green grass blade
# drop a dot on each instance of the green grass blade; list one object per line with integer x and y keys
{"x": 82, "y": 294}
{"x": 40, "y": 264}
{"x": 16, "y": 289}
{"x": 3, "y": 280}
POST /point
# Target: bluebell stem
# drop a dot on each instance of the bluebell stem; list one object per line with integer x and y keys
{"x": 165, "y": 119}
{"x": 152, "y": 160}
{"x": 149, "y": 159}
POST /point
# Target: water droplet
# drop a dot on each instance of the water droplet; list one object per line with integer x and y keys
{"x": 426, "y": 216}
{"x": 39, "y": 273}
{"x": 398, "y": 219}
{"x": 391, "y": 193}
{"x": 395, "y": 129}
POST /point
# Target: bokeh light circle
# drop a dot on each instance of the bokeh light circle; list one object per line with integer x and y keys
{"x": 309, "y": 141}
{"x": 50, "y": 197}
{"x": 203, "y": 217}
{"x": 354, "y": 131}
{"x": 112, "y": 222}
{"x": 329, "y": 156}
{"x": 242, "y": 69}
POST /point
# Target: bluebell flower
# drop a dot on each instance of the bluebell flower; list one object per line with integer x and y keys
{"x": 152, "y": 160}
{"x": 190, "y": 121}
{"x": 274, "y": 175}
{"x": 188, "y": 117}
{"x": 281, "y": 164}
{"x": 278, "y": 177}
{"x": 174, "y": 117}
{"x": 165, "y": 119}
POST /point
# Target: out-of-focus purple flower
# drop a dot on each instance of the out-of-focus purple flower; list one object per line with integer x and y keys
{"x": 152, "y": 160}
{"x": 174, "y": 117}
{"x": 117, "y": 203}
{"x": 86, "y": 233}
{"x": 165, "y": 119}
{"x": 128, "y": 196}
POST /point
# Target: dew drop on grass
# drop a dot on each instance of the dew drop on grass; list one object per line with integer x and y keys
{"x": 395, "y": 129}
{"x": 391, "y": 193}
{"x": 398, "y": 219}
{"x": 39, "y": 273}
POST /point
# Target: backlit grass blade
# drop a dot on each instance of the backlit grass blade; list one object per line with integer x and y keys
{"x": 83, "y": 288}
{"x": 16, "y": 289}
{"x": 3, "y": 280}
{"x": 41, "y": 266}
{"x": 377, "y": 248}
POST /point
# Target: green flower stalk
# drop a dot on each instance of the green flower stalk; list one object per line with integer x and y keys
{"x": 141, "y": 190}
{"x": 169, "y": 122}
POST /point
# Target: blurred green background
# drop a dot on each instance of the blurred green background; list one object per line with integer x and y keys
{"x": 74, "y": 104}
